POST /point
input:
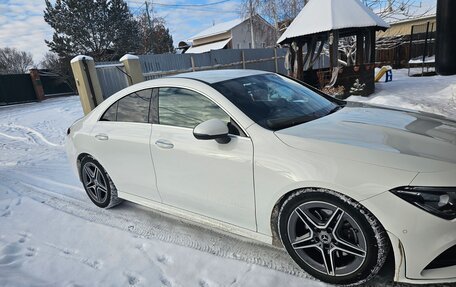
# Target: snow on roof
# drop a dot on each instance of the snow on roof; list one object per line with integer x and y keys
{"x": 326, "y": 15}
{"x": 217, "y": 29}
{"x": 207, "y": 47}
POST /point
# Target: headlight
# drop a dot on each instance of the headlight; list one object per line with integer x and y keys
{"x": 440, "y": 201}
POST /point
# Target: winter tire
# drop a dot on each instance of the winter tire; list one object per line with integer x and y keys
{"x": 332, "y": 237}
{"x": 97, "y": 184}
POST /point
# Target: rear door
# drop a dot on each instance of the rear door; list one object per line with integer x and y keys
{"x": 121, "y": 138}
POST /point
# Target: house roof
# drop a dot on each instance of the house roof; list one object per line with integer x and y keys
{"x": 207, "y": 47}
{"x": 217, "y": 29}
{"x": 326, "y": 15}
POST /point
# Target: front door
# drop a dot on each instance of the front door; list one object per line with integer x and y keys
{"x": 201, "y": 176}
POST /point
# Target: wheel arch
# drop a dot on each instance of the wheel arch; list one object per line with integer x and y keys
{"x": 275, "y": 218}
{"x": 78, "y": 162}
{"x": 393, "y": 269}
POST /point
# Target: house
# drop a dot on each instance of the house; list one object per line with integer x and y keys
{"x": 407, "y": 41}
{"x": 404, "y": 27}
{"x": 234, "y": 34}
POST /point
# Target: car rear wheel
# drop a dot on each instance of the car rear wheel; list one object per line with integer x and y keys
{"x": 98, "y": 184}
{"x": 332, "y": 237}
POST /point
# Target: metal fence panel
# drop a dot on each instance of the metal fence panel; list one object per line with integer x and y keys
{"x": 156, "y": 66}
{"x": 165, "y": 62}
{"x": 112, "y": 78}
{"x": 16, "y": 88}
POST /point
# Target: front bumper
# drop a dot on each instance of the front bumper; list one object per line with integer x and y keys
{"x": 417, "y": 238}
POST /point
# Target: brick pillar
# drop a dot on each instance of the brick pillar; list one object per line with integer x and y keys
{"x": 37, "y": 85}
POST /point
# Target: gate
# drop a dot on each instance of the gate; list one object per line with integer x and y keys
{"x": 112, "y": 78}
{"x": 16, "y": 88}
{"x": 55, "y": 84}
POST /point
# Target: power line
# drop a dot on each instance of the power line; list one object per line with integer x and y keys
{"x": 192, "y": 5}
{"x": 184, "y": 5}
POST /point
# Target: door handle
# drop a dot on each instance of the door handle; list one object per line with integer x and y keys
{"x": 102, "y": 137}
{"x": 164, "y": 144}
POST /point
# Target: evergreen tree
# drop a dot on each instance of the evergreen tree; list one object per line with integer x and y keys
{"x": 103, "y": 29}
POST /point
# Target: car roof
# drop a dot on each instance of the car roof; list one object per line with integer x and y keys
{"x": 215, "y": 76}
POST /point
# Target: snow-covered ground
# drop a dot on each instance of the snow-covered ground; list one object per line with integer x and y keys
{"x": 52, "y": 235}
{"x": 436, "y": 94}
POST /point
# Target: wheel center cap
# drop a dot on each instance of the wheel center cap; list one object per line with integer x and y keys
{"x": 324, "y": 237}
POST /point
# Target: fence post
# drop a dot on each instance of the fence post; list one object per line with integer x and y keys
{"x": 193, "y": 63}
{"x": 243, "y": 59}
{"x": 276, "y": 64}
{"x": 37, "y": 85}
{"x": 87, "y": 82}
{"x": 132, "y": 68}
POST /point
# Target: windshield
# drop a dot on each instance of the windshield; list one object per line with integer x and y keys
{"x": 275, "y": 102}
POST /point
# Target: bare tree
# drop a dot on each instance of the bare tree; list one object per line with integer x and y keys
{"x": 275, "y": 11}
{"x": 51, "y": 62}
{"x": 13, "y": 61}
{"x": 397, "y": 9}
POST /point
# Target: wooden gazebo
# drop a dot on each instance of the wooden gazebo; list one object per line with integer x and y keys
{"x": 344, "y": 32}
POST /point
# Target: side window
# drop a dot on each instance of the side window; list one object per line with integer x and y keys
{"x": 132, "y": 108}
{"x": 185, "y": 108}
{"x": 111, "y": 113}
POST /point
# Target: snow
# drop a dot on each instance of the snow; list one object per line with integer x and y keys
{"x": 326, "y": 15}
{"x": 52, "y": 235}
{"x": 80, "y": 58}
{"x": 436, "y": 94}
{"x": 419, "y": 60}
{"x": 128, "y": 57}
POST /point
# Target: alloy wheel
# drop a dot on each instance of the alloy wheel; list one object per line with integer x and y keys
{"x": 95, "y": 182}
{"x": 327, "y": 238}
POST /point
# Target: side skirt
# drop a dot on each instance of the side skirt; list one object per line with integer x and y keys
{"x": 205, "y": 221}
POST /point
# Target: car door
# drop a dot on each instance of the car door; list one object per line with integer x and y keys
{"x": 201, "y": 176}
{"x": 121, "y": 140}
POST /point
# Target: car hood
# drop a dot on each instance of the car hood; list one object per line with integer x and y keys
{"x": 397, "y": 138}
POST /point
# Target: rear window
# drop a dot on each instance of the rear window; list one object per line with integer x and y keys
{"x": 132, "y": 108}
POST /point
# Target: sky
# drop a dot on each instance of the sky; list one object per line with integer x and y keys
{"x": 22, "y": 25}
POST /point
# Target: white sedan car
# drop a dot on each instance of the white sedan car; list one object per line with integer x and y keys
{"x": 340, "y": 185}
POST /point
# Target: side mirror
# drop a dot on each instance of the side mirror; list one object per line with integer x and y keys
{"x": 213, "y": 129}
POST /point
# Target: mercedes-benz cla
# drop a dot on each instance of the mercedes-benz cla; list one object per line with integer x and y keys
{"x": 340, "y": 185}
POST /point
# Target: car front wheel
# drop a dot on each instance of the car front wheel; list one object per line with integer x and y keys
{"x": 332, "y": 237}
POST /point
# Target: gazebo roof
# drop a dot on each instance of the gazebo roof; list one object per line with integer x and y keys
{"x": 326, "y": 15}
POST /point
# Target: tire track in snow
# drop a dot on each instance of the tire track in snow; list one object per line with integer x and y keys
{"x": 13, "y": 137}
{"x": 170, "y": 229}
{"x": 32, "y": 133}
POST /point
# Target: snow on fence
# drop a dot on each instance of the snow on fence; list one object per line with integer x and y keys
{"x": 156, "y": 66}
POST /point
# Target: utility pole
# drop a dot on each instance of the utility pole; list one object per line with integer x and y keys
{"x": 251, "y": 23}
{"x": 148, "y": 15}
{"x": 149, "y": 34}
